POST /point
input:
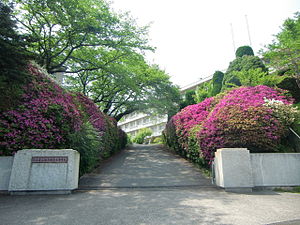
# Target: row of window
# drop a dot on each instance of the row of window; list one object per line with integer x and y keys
{"x": 137, "y": 123}
{"x": 155, "y": 129}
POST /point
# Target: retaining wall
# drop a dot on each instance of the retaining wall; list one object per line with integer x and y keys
{"x": 275, "y": 169}
{"x": 237, "y": 169}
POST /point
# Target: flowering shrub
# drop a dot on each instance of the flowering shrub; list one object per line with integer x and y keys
{"x": 112, "y": 139}
{"x": 50, "y": 117}
{"x": 188, "y": 117}
{"x": 286, "y": 113}
{"x": 47, "y": 114}
{"x": 241, "y": 117}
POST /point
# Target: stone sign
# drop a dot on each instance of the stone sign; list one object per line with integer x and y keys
{"x": 44, "y": 170}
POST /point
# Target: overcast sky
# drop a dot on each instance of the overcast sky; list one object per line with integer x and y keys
{"x": 193, "y": 37}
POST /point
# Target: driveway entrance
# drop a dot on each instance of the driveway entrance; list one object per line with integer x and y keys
{"x": 145, "y": 166}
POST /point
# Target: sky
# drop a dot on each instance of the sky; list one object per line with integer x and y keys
{"x": 193, "y": 38}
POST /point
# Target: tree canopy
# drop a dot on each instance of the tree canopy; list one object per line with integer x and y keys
{"x": 244, "y": 63}
{"x": 128, "y": 86}
{"x": 100, "y": 52}
{"x": 217, "y": 82}
{"x": 283, "y": 54}
{"x": 65, "y": 30}
{"x": 189, "y": 99}
{"x": 244, "y": 50}
{"x": 13, "y": 56}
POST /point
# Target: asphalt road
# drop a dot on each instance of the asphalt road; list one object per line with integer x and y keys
{"x": 140, "y": 192}
{"x": 145, "y": 166}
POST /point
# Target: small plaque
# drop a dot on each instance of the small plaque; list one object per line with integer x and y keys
{"x": 49, "y": 159}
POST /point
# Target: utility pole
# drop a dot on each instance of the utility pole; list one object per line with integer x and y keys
{"x": 232, "y": 35}
{"x": 248, "y": 30}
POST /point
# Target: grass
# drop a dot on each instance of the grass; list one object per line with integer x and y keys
{"x": 289, "y": 189}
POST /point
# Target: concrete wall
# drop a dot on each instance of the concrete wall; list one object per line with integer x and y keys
{"x": 275, "y": 169}
{"x": 236, "y": 168}
{"x": 233, "y": 169}
{"x": 6, "y": 163}
{"x": 44, "y": 170}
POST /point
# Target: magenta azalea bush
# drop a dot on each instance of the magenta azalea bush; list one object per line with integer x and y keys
{"x": 48, "y": 116}
{"x": 239, "y": 118}
{"x": 113, "y": 138}
{"x": 45, "y": 115}
{"x": 189, "y": 117}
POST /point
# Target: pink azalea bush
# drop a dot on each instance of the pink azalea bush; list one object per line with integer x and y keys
{"x": 112, "y": 137}
{"x": 42, "y": 120}
{"x": 239, "y": 118}
{"x": 187, "y": 118}
{"x": 48, "y": 116}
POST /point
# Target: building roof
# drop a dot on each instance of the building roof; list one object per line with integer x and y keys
{"x": 194, "y": 85}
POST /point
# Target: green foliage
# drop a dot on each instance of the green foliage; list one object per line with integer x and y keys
{"x": 129, "y": 139}
{"x": 128, "y": 86}
{"x": 13, "y": 59}
{"x": 193, "y": 152}
{"x": 290, "y": 84}
{"x": 101, "y": 52}
{"x": 170, "y": 137}
{"x": 88, "y": 143}
{"x": 243, "y": 63}
{"x": 203, "y": 91}
{"x": 140, "y": 136}
{"x": 246, "y": 63}
{"x": 244, "y": 50}
{"x": 283, "y": 53}
{"x": 217, "y": 83}
{"x": 13, "y": 56}
{"x": 70, "y": 33}
{"x": 254, "y": 77}
{"x": 296, "y": 124}
{"x": 158, "y": 140}
{"x": 189, "y": 99}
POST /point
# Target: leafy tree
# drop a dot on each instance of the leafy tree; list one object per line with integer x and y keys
{"x": 284, "y": 53}
{"x": 246, "y": 63}
{"x": 69, "y": 33}
{"x": 100, "y": 51}
{"x": 203, "y": 91}
{"x": 254, "y": 77}
{"x": 127, "y": 86}
{"x": 244, "y": 50}
{"x": 217, "y": 83}
{"x": 243, "y": 63}
{"x": 290, "y": 84}
{"x": 189, "y": 99}
{"x": 13, "y": 58}
{"x": 141, "y": 135}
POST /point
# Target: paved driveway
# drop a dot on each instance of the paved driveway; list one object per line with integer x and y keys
{"x": 145, "y": 166}
{"x": 153, "y": 200}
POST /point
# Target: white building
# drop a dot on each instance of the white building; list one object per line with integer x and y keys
{"x": 135, "y": 121}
